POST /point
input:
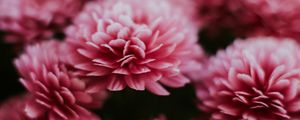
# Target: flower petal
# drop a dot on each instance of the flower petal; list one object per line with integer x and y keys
{"x": 156, "y": 88}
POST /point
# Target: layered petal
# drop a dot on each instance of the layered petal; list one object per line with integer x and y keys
{"x": 252, "y": 79}
{"x": 135, "y": 44}
{"x": 57, "y": 93}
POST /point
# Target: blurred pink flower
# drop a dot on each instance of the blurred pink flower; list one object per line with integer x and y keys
{"x": 256, "y": 79}
{"x": 216, "y": 15}
{"x": 26, "y": 21}
{"x": 140, "y": 44}
{"x": 251, "y": 17}
{"x": 160, "y": 117}
{"x": 57, "y": 93}
{"x": 279, "y": 17}
{"x": 13, "y": 108}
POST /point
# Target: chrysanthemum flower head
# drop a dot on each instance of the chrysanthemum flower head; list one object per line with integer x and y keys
{"x": 140, "y": 44}
{"x": 57, "y": 93}
{"x": 256, "y": 79}
{"x": 26, "y": 21}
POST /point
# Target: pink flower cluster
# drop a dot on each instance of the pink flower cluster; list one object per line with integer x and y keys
{"x": 256, "y": 79}
{"x": 27, "y": 21}
{"x": 152, "y": 45}
{"x": 111, "y": 45}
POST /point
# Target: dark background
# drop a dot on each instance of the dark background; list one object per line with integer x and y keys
{"x": 127, "y": 104}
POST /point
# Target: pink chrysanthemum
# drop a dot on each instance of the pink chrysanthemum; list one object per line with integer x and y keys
{"x": 140, "y": 44}
{"x": 13, "y": 108}
{"x": 26, "y": 21}
{"x": 256, "y": 79}
{"x": 279, "y": 17}
{"x": 57, "y": 93}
